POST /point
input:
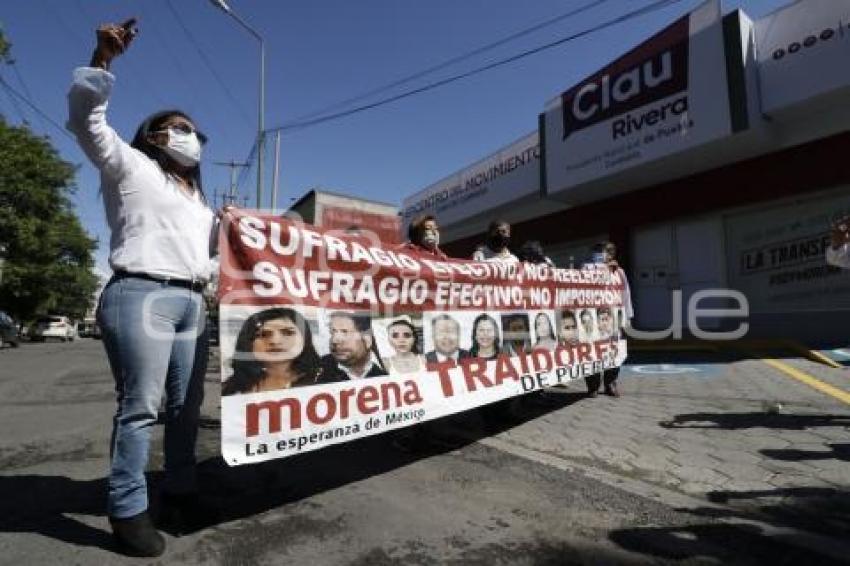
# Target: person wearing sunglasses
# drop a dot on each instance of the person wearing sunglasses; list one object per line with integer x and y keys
{"x": 152, "y": 312}
{"x": 402, "y": 337}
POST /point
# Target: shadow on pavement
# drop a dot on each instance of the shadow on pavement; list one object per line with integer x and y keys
{"x": 41, "y": 504}
{"x": 835, "y": 452}
{"x": 823, "y": 510}
{"x": 233, "y": 493}
{"x": 739, "y": 421}
{"x": 714, "y": 543}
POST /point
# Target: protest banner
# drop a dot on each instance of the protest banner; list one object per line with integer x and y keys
{"x": 327, "y": 337}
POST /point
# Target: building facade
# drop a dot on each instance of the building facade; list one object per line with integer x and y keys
{"x": 713, "y": 154}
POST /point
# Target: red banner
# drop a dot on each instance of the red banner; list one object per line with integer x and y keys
{"x": 328, "y": 337}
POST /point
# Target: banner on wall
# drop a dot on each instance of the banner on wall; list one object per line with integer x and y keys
{"x": 327, "y": 338}
{"x": 777, "y": 257}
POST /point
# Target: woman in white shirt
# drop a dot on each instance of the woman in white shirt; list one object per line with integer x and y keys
{"x": 152, "y": 311}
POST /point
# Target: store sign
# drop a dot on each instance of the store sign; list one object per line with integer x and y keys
{"x": 510, "y": 174}
{"x": 803, "y": 52}
{"x": 666, "y": 95}
{"x": 777, "y": 257}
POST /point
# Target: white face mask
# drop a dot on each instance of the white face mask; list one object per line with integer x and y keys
{"x": 184, "y": 148}
{"x": 431, "y": 238}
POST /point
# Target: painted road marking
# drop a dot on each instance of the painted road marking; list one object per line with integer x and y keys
{"x": 665, "y": 369}
{"x": 809, "y": 380}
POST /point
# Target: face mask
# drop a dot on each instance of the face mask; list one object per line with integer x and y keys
{"x": 431, "y": 238}
{"x": 500, "y": 241}
{"x": 184, "y": 148}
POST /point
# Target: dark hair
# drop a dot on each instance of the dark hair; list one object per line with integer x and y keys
{"x": 564, "y": 315}
{"x": 494, "y": 225}
{"x": 506, "y": 323}
{"x": 444, "y": 316}
{"x": 153, "y": 123}
{"x": 600, "y": 310}
{"x": 532, "y": 252}
{"x": 417, "y": 228}
{"x": 498, "y": 342}
{"x": 548, "y": 321}
{"x": 603, "y": 246}
{"x": 248, "y": 371}
{"x": 407, "y": 323}
{"x": 361, "y": 322}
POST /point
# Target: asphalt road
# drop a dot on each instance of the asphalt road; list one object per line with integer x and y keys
{"x": 359, "y": 503}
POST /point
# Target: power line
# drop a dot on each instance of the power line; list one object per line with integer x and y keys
{"x": 206, "y": 60}
{"x": 35, "y": 108}
{"x": 335, "y": 116}
{"x": 25, "y": 88}
{"x": 453, "y": 60}
{"x": 17, "y": 108}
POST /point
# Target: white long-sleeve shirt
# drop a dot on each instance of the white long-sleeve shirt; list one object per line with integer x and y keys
{"x": 839, "y": 257}
{"x": 156, "y": 227}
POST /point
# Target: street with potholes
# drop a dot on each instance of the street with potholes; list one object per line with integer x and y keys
{"x": 706, "y": 458}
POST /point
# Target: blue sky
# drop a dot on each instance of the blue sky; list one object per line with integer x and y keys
{"x": 318, "y": 53}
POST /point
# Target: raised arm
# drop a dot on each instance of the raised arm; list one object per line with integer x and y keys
{"x": 88, "y": 99}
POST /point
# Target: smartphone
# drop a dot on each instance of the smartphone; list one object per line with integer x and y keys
{"x": 130, "y": 27}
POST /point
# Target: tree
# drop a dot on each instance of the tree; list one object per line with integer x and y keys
{"x": 49, "y": 258}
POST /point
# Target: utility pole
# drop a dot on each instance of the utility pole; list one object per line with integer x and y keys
{"x": 276, "y": 172}
{"x": 230, "y": 197}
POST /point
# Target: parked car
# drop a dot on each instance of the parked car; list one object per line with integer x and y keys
{"x": 8, "y": 330}
{"x": 58, "y": 327}
{"x": 88, "y": 328}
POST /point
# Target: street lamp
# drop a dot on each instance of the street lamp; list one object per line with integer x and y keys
{"x": 222, "y": 5}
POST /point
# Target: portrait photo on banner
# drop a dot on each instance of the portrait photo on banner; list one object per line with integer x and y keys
{"x": 448, "y": 335}
{"x": 516, "y": 332}
{"x": 606, "y": 323}
{"x": 567, "y": 325}
{"x": 544, "y": 333}
{"x": 400, "y": 342}
{"x": 588, "y": 330}
{"x": 269, "y": 348}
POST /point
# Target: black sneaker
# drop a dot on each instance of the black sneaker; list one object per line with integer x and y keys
{"x": 136, "y": 536}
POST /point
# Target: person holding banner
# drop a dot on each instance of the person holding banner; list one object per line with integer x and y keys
{"x": 497, "y": 245}
{"x": 423, "y": 236}
{"x": 609, "y": 377}
{"x": 485, "y": 338}
{"x": 274, "y": 350}
{"x": 152, "y": 312}
{"x": 401, "y": 335}
{"x": 352, "y": 345}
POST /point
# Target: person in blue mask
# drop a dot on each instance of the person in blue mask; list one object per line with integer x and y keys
{"x": 152, "y": 311}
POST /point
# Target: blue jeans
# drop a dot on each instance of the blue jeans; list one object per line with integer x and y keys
{"x": 155, "y": 337}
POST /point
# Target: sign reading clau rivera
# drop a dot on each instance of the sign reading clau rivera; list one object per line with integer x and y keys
{"x": 326, "y": 338}
{"x": 666, "y": 95}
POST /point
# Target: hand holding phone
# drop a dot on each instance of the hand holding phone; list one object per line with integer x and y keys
{"x": 112, "y": 41}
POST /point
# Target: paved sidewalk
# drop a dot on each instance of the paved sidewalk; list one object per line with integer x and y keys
{"x": 712, "y": 427}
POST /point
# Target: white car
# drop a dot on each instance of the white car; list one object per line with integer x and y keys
{"x": 54, "y": 327}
